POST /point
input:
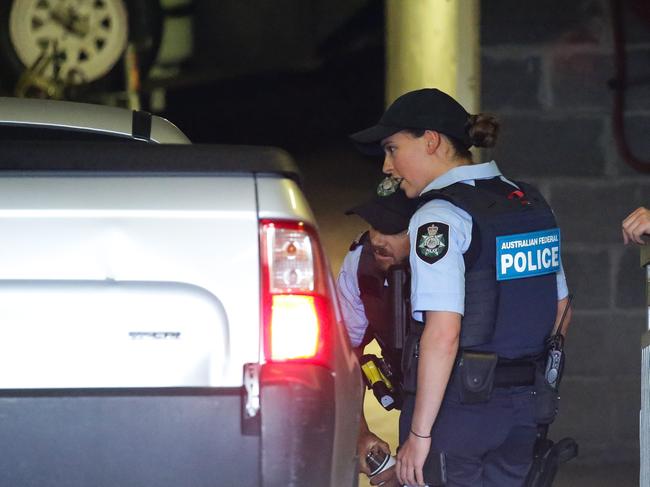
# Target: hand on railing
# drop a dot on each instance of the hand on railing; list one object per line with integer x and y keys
{"x": 636, "y": 225}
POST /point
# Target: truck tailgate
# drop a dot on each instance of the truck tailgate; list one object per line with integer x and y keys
{"x": 117, "y": 281}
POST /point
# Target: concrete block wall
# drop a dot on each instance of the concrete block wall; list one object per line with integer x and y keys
{"x": 545, "y": 72}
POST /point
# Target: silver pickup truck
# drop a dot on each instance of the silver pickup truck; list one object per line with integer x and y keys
{"x": 168, "y": 318}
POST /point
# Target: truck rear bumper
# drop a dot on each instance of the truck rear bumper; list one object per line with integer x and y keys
{"x": 297, "y": 425}
{"x": 144, "y": 437}
{"x": 171, "y": 437}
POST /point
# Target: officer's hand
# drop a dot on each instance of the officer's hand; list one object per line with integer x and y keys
{"x": 366, "y": 443}
{"x": 410, "y": 460}
{"x": 636, "y": 225}
{"x": 388, "y": 478}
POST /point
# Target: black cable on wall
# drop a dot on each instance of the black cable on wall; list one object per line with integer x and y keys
{"x": 621, "y": 82}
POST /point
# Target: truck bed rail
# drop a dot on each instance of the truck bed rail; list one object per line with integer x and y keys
{"x": 20, "y": 157}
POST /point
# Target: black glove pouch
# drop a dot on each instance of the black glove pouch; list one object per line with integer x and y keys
{"x": 410, "y": 363}
{"x": 547, "y": 399}
{"x": 434, "y": 469}
{"x": 476, "y": 375}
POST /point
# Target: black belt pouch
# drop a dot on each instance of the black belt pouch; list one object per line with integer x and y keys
{"x": 476, "y": 375}
{"x": 435, "y": 469}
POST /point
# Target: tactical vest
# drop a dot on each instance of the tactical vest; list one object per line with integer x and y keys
{"x": 510, "y": 317}
{"x": 376, "y": 300}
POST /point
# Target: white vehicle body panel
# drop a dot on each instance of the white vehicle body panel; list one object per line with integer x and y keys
{"x": 89, "y": 334}
{"x": 148, "y": 254}
{"x": 281, "y": 198}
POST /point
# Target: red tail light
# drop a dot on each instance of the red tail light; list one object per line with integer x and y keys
{"x": 296, "y": 309}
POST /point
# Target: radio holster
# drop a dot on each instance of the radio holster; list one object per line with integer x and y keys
{"x": 547, "y": 399}
{"x": 548, "y": 375}
{"x": 548, "y": 455}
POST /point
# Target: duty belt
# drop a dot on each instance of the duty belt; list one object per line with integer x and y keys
{"x": 511, "y": 372}
{"x": 514, "y": 373}
{"x": 508, "y": 372}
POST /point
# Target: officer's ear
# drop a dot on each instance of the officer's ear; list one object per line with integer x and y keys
{"x": 432, "y": 140}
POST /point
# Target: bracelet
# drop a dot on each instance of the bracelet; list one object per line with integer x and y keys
{"x": 420, "y": 436}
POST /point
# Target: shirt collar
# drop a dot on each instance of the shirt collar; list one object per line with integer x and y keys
{"x": 464, "y": 173}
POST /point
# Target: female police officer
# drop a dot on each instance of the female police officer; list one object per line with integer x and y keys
{"x": 487, "y": 285}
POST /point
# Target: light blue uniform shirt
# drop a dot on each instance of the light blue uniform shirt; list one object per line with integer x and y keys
{"x": 347, "y": 287}
{"x": 441, "y": 286}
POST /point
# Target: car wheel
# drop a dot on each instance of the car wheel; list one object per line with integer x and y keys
{"x": 88, "y": 37}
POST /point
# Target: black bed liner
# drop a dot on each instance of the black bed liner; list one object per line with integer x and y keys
{"x": 109, "y": 158}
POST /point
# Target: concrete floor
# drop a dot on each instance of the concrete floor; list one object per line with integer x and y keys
{"x": 597, "y": 476}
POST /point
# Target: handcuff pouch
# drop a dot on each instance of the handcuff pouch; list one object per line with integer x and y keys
{"x": 476, "y": 376}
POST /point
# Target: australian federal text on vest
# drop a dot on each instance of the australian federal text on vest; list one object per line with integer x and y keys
{"x": 528, "y": 254}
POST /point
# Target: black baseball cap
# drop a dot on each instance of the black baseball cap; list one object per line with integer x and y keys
{"x": 428, "y": 108}
{"x": 387, "y": 214}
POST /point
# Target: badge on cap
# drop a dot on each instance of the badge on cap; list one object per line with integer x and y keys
{"x": 388, "y": 186}
{"x": 432, "y": 241}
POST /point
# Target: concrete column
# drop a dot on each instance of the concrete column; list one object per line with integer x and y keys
{"x": 434, "y": 43}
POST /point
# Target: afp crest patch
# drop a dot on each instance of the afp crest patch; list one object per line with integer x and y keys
{"x": 432, "y": 241}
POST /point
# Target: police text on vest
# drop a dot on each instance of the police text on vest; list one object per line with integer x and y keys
{"x": 528, "y": 254}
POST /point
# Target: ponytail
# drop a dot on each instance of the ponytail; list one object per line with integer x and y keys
{"x": 483, "y": 129}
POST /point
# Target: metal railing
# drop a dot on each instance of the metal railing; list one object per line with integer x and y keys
{"x": 644, "y": 417}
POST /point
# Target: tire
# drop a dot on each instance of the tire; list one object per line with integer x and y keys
{"x": 91, "y": 37}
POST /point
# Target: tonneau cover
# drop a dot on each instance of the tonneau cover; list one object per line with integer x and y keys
{"x": 102, "y": 157}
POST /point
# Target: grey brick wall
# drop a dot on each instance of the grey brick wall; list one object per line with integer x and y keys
{"x": 545, "y": 72}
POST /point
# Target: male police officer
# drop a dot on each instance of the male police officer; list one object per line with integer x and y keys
{"x": 364, "y": 294}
